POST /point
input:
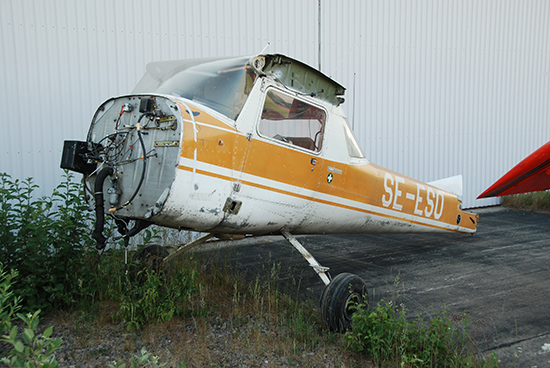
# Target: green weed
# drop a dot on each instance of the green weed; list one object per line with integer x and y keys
{"x": 145, "y": 359}
{"x": 28, "y": 349}
{"x": 159, "y": 297}
{"x": 385, "y": 334}
{"x": 9, "y": 304}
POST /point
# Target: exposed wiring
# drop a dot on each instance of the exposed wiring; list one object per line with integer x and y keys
{"x": 110, "y": 152}
{"x": 119, "y": 116}
{"x": 144, "y": 158}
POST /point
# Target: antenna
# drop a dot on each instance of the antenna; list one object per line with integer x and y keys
{"x": 319, "y": 33}
{"x": 265, "y": 48}
{"x": 342, "y": 59}
{"x": 353, "y": 112}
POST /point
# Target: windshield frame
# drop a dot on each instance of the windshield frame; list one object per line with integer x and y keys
{"x": 220, "y": 84}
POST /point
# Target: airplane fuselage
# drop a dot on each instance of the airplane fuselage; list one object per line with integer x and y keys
{"x": 223, "y": 179}
{"x": 269, "y": 156}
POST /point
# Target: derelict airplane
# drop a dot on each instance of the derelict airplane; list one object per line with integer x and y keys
{"x": 249, "y": 146}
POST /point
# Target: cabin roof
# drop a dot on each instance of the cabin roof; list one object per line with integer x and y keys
{"x": 290, "y": 72}
{"x": 299, "y": 76}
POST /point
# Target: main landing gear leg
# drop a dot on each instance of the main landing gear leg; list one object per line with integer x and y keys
{"x": 341, "y": 296}
{"x": 321, "y": 271}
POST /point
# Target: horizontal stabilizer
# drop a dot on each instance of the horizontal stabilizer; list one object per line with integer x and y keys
{"x": 530, "y": 175}
{"x": 452, "y": 184}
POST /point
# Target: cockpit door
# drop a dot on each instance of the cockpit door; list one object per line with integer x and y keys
{"x": 282, "y": 165}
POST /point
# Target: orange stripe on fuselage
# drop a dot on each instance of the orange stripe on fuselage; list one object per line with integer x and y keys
{"x": 221, "y": 145}
{"x": 305, "y": 197}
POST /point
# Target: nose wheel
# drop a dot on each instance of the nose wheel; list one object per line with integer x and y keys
{"x": 149, "y": 258}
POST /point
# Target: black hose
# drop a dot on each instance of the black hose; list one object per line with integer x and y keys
{"x": 100, "y": 207}
{"x": 138, "y": 226}
{"x": 97, "y": 235}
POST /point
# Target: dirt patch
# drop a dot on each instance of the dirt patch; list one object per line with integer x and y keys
{"x": 197, "y": 342}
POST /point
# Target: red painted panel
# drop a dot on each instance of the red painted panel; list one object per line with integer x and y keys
{"x": 530, "y": 175}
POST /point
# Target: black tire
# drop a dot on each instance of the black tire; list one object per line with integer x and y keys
{"x": 343, "y": 292}
{"x": 149, "y": 258}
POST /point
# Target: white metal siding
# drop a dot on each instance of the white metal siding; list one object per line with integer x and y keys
{"x": 434, "y": 88}
{"x": 443, "y": 88}
{"x": 61, "y": 58}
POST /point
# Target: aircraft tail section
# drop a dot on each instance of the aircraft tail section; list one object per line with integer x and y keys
{"x": 452, "y": 184}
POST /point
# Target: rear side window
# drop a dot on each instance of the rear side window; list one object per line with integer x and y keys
{"x": 293, "y": 121}
{"x": 353, "y": 147}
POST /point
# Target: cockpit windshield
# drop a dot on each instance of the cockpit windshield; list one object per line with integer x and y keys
{"x": 222, "y": 85}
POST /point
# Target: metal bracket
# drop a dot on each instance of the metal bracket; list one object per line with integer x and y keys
{"x": 185, "y": 247}
{"x": 321, "y": 271}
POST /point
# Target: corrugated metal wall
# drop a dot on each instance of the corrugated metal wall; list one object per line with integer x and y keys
{"x": 434, "y": 88}
{"x": 443, "y": 88}
{"x": 61, "y": 58}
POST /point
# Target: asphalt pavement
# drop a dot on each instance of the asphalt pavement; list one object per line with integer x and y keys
{"x": 498, "y": 277}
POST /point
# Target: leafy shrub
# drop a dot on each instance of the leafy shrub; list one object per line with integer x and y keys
{"x": 391, "y": 339}
{"x": 46, "y": 239}
{"x": 9, "y": 304}
{"x": 31, "y": 349}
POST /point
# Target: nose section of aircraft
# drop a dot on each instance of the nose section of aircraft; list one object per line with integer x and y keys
{"x": 129, "y": 158}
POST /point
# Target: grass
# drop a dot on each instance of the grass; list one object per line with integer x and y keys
{"x": 235, "y": 321}
{"x": 229, "y": 321}
{"x": 535, "y": 201}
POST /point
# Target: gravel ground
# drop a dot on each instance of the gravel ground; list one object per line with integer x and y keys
{"x": 212, "y": 342}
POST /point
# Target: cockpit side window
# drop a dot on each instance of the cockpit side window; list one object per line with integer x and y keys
{"x": 293, "y": 121}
